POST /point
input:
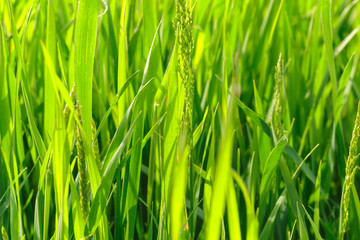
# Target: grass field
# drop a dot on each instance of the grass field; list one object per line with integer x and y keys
{"x": 179, "y": 119}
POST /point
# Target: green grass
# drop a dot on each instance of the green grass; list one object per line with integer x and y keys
{"x": 179, "y": 119}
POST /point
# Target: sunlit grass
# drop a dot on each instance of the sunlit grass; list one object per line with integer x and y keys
{"x": 179, "y": 119}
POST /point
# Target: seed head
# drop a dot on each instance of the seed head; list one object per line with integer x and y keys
{"x": 184, "y": 35}
{"x": 278, "y": 127}
{"x": 83, "y": 182}
{"x": 350, "y": 170}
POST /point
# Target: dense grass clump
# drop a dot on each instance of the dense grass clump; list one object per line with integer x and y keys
{"x": 179, "y": 119}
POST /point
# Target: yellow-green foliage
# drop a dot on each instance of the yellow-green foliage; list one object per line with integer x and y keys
{"x": 175, "y": 129}
{"x": 4, "y": 233}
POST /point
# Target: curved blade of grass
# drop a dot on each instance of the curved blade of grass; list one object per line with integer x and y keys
{"x": 85, "y": 41}
{"x": 210, "y": 167}
{"x": 294, "y": 197}
{"x": 178, "y": 194}
{"x": 266, "y": 232}
{"x": 122, "y": 57}
{"x": 79, "y": 225}
{"x": 291, "y": 153}
{"x": 342, "y": 85}
{"x": 114, "y": 102}
{"x": 134, "y": 165}
{"x": 120, "y": 132}
{"x": 264, "y": 140}
{"x": 233, "y": 212}
{"x": 346, "y": 41}
{"x": 49, "y": 93}
{"x": 302, "y": 226}
{"x": 316, "y": 231}
{"x": 5, "y": 116}
{"x": 221, "y": 180}
{"x": 61, "y": 172}
{"x": 99, "y": 203}
{"x": 270, "y": 167}
{"x": 40, "y": 146}
{"x": 171, "y": 132}
{"x": 340, "y": 232}
{"x": 44, "y": 166}
{"x": 264, "y": 30}
{"x": 11, "y": 183}
{"x": 14, "y": 217}
{"x": 251, "y": 220}
{"x": 274, "y": 24}
{"x": 327, "y": 33}
{"x": 356, "y": 201}
{"x": 151, "y": 38}
{"x": 199, "y": 129}
{"x": 39, "y": 211}
{"x": 14, "y": 85}
{"x": 47, "y": 203}
{"x": 152, "y": 130}
{"x": 252, "y": 115}
{"x": 317, "y": 198}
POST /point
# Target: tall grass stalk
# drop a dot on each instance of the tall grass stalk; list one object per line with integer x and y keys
{"x": 83, "y": 178}
{"x": 184, "y": 25}
{"x": 186, "y": 44}
{"x": 350, "y": 171}
{"x": 278, "y": 126}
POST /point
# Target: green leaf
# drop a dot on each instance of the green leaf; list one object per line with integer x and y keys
{"x": 264, "y": 141}
{"x": 76, "y": 211}
{"x": 269, "y": 225}
{"x": 99, "y": 203}
{"x": 251, "y": 220}
{"x": 302, "y": 226}
{"x": 221, "y": 180}
{"x": 233, "y": 212}
{"x": 316, "y": 231}
{"x": 5, "y": 116}
{"x": 122, "y": 58}
{"x": 49, "y": 92}
{"x": 346, "y": 41}
{"x": 171, "y": 131}
{"x": 294, "y": 198}
{"x": 327, "y": 33}
{"x": 178, "y": 194}
{"x": 270, "y": 168}
{"x": 356, "y": 201}
{"x": 199, "y": 129}
{"x": 113, "y": 103}
{"x": 134, "y": 166}
{"x": 40, "y": 146}
{"x": 317, "y": 198}
{"x": 342, "y": 85}
{"x": 85, "y": 42}
{"x": 252, "y": 115}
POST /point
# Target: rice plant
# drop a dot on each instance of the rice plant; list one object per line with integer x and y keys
{"x": 179, "y": 119}
{"x": 350, "y": 171}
